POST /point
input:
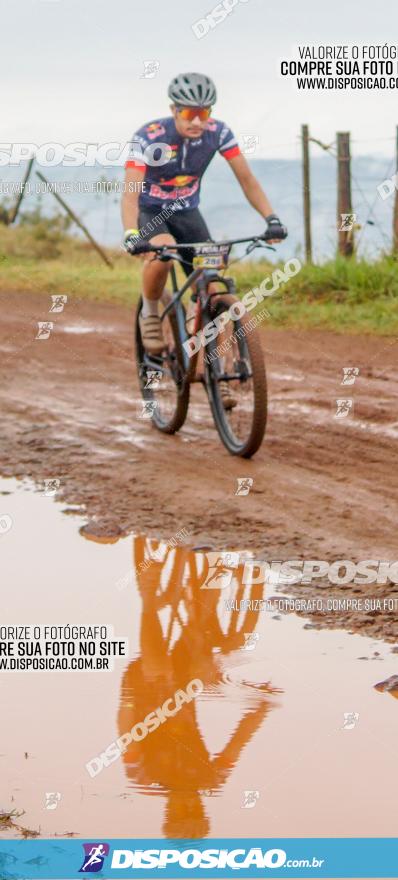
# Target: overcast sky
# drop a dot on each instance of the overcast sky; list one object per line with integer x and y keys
{"x": 71, "y": 69}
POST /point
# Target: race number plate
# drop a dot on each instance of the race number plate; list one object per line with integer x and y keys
{"x": 211, "y": 257}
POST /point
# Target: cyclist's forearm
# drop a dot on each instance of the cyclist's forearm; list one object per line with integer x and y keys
{"x": 130, "y": 210}
{"x": 257, "y": 198}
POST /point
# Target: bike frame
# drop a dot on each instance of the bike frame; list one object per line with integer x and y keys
{"x": 200, "y": 278}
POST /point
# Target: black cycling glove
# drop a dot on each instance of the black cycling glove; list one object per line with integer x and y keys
{"x": 133, "y": 243}
{"x": 275, "y": 229}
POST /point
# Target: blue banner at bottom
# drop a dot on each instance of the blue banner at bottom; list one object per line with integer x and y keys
{"x": 63, "y": 859}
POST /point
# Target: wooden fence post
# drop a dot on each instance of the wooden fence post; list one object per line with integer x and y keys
{"x": 344, "y": 201}
{"x": 306, "y": 192}
{"x": 76, "y": 220}
{"x": 12, "y": 215}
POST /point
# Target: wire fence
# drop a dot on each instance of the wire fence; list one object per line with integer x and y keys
{"x": 224, "y": 207}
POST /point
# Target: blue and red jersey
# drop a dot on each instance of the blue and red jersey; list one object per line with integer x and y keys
{"x": 187, "y": 159}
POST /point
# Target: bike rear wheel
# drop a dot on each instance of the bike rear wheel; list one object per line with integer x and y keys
{"x": 162, "y": 379}
{"x": 234, "y": 363}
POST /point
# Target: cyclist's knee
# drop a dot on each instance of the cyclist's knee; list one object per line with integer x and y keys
{"x": 162, "y": 238}
{"x": 158, "y": 266}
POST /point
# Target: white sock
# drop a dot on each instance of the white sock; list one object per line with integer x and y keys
{"x": 149, "y": 307}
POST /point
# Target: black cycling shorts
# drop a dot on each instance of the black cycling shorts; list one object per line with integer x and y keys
{"x": 184, "y": 226}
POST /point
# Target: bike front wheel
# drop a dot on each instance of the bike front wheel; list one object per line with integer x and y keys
{"x": 163, "y": 384}
{"x": 236, "y": 380}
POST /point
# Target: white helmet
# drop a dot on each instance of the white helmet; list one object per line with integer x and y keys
{"x": 192, "y": 90}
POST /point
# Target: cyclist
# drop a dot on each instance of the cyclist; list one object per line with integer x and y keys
{"x": 162, "y": 186}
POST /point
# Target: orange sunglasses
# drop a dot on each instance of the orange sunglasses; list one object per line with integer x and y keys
{"x": 190, "y": 113}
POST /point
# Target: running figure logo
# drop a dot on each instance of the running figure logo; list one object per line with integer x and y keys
{"x": 58, "y": 302}
{"x": 350, "y": 720}
{"x": 44, "y": 329}
{"x": 344, "y": 405}
{"x": 244, "y": 485}
{"x": 250, "y": 143}
{"x": 51, "y": 486}
{"x": 347, "y": 222}
{"x": 148, "y": 409}
{"x": 251, "y": 640}
{"x": 152, "y": 379}
{"x": 251, "y": 798}
{"x": 52, "y": 799}
{"x": 94, "y": 855}
{"x": 220, "y": 571}
{"x": 150, "y": 69}
{"x": 350, "y": 374}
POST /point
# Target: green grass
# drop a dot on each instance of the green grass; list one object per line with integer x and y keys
{"x": 30, "y": 262}
{"x": 350, "y": 295}
{"x": 353, "y": 296}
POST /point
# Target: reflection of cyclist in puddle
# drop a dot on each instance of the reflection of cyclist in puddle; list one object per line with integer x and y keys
{"x": 179, "y": 631}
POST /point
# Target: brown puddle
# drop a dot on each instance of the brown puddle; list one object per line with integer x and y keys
{"x": 264, "y": 750}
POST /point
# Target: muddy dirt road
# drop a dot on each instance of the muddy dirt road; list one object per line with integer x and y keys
{"x": 324, "y": 487}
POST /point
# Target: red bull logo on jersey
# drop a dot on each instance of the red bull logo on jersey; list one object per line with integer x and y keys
{"x": 154, "y": 129}
{"x": 178, "y": 187}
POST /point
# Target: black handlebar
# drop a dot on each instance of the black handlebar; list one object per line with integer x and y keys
{"x": 270, "y": 235}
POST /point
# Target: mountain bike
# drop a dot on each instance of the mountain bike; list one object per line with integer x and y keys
{"x": 233, "y": 365}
